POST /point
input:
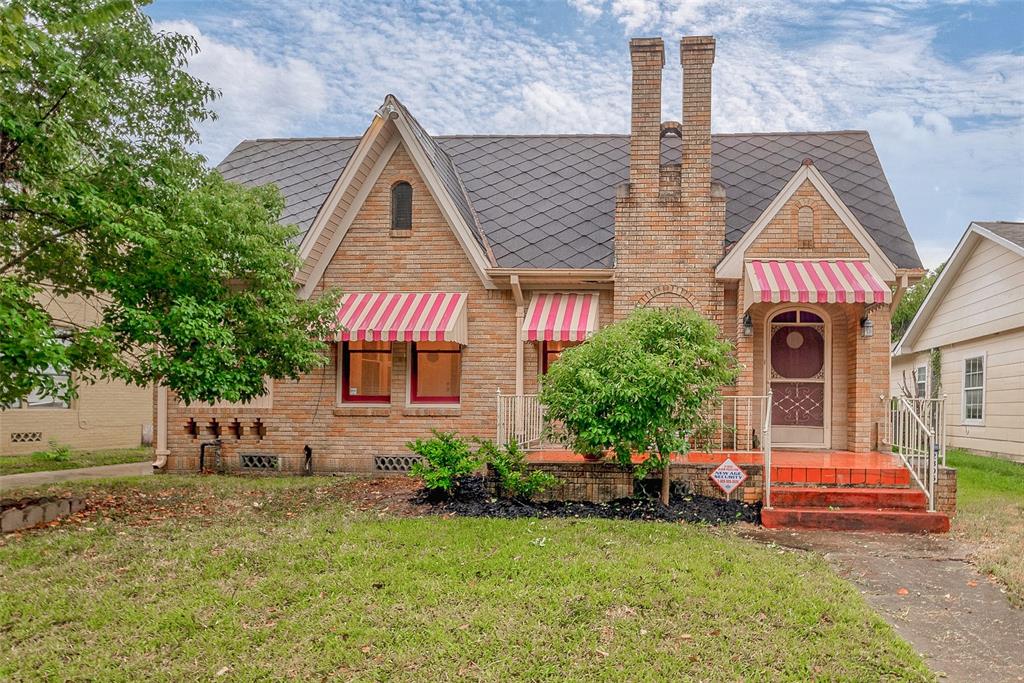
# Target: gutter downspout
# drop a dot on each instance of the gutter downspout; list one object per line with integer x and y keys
{"x": 517, "y": 292}
{"x": 161, "y": 429}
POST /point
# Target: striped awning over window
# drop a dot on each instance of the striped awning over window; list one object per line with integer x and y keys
{"x": 403, "y": 316}
{"x": 560, "y": 316}
{"x": 813, "y": 281}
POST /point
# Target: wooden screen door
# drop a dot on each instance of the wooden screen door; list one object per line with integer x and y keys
{"x": 798, "y": 374}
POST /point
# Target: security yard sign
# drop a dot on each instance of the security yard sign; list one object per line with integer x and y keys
{"x": 728, "y": 476}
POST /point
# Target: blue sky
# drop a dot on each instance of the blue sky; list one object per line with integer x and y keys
{"x": 939, "y": 85}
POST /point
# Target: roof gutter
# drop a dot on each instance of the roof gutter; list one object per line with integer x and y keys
{"x": 534, "y": 278}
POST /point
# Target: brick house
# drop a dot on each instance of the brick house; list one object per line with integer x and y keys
{"x": 469, "y": 262}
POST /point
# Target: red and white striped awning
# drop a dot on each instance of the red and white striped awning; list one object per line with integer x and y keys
{"x": 814, "y": 281}
{"x": 560, "y": 316}
{"x": 403, "y": 316}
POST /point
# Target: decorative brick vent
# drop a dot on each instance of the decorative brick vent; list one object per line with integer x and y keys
{"x": 26, "y": 437}
{"x": 259, "y": 461}
{"x": 394, "y": 463}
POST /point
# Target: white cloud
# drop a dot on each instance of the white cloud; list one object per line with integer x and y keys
{"x": 259, "y": 97}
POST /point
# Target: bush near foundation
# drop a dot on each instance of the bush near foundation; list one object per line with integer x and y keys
{"x": 445, "y": 459}
{"x": 514, "y": 479}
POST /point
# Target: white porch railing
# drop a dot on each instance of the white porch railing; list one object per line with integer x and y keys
{"x": 740, "y": 423}
{"x": 520, "y": 418}
{"x": 916, "y": 434}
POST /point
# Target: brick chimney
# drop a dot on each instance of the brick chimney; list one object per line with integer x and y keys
{"x": 697, "y": 55}
{"x": 648, "y": 58}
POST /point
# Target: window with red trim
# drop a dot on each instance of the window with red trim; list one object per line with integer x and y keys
{"x": 436, "y": 372}
{"x": 550, "y": 351}
{"x": 365, "y": 372}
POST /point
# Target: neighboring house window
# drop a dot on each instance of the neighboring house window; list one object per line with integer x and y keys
{"x": 39, "y": 400}
{"x": 805, "y": 227}
{"x": 974, "y": 390}
{"x": 921, "y": 382}
{"x": 436, "y": 372}
{"x": 551, "y": 351}
{"x": 366, "y": 372}
{"x": 401, "y": 206}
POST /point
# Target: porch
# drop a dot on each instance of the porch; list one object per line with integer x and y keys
{"x": 903, "y": 488}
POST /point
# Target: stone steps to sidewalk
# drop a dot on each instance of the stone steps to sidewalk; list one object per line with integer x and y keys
{"x": 855, "y": 519}
{"x": 853, "y": 497}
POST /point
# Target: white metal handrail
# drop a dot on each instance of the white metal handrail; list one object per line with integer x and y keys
{"x": 520, "y": 418}
{"x": 766, "y": 449}
{"x": 932, "y": 412}
{"x": 915, "y": 442}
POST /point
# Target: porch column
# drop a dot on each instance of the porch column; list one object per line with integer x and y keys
{"x": 747, "y": 420}
{"x": 868, "y": 380}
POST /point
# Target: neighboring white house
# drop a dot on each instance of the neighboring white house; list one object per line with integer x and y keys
{"x": 974, "y": 317}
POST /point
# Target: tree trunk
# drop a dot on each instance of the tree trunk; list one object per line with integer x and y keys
{"x": 666, "y": 481}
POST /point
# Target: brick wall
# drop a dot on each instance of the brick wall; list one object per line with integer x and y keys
{"x": 945, "y": 491}
{"x": 596, "y": 482}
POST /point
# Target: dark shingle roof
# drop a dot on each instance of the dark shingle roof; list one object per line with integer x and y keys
{"x": 549, "y": 201}
{"x": 1005, "y": 229}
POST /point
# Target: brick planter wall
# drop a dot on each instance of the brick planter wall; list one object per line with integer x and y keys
{"x": 594, "y": 482}
{"x": 945, "y": 491}
{"x": 697, "y": 477}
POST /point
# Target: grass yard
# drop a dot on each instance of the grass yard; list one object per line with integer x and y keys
{"x": 44, "y": 461}
{"x": 990, "y": 512}
{"x": 191, "y": 578}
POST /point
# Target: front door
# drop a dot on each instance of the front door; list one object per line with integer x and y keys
{"x": 798, "y": 363}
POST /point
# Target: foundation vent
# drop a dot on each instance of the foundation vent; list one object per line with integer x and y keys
{"x": 394, "y": 463}
{"x": 26, "y": 437}
{"x": 259, "y": 461}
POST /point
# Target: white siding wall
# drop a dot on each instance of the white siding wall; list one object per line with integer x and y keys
{"x": 1003, "y": 429}
{"x": 987, "y": 296}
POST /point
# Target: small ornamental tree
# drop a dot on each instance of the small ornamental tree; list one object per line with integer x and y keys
{"x": 639, "y": 386}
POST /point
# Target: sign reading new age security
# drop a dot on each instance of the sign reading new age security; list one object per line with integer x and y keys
{"x": 728, "y": 476}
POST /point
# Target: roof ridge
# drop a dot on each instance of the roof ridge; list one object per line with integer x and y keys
{"x": 450, "y": 136}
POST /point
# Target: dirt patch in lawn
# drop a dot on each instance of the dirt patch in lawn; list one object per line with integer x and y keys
{"x": 472, "y": 499}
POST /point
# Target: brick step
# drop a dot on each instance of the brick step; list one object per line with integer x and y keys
{"x": 855, "y": 519}
{"x": 860, "y": 497}
{"x": 841, "y": 476}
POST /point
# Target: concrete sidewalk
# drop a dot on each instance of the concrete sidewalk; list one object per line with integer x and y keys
{"x": 129, "y": 469}
{"x": 925, "y": 587}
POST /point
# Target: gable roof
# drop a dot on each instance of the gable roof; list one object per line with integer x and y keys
{"x": 731, "y": 266}
{"x": 548, "y": 201}
{"x": 1014, "y": 232}
{"x": 1009, "y": 235}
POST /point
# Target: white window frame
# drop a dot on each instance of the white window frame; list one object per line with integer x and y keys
{"x": 964, "y": 389}
{"x": 926, "y": 382}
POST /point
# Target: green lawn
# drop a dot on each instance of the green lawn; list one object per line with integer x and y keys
{"x": 990, "y": 512}
{"x": 282, "y": 579}
{"x": 42, "y": 461}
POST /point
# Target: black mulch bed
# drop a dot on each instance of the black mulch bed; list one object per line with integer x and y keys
{"x": 473, "y": 499}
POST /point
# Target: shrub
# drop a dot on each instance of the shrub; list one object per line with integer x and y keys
{"x": 514, "y": 478}
{"x": 642, "y": 385}
{"x": 56, "y": 453}
{"x": 445, "y": 459}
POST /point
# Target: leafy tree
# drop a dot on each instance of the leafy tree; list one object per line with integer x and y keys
{"x": 191, "y": 277}
{"x": 639, "y": 386}
{"x": 911, "y": 302}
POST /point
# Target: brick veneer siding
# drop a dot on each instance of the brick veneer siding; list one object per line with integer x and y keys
{"x": 346, "y": 437}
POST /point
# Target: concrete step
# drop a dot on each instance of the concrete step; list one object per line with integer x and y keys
{"x": 849, "y": 497}
{"x": 855, "y": 519}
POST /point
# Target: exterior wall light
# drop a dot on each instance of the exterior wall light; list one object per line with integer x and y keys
{"x": 867, "y": 328}
{"x": 748, "y": 325}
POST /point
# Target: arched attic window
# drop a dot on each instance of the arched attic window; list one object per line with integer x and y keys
{"x": 805, "y": 227}
{"x": 401, "y": 206}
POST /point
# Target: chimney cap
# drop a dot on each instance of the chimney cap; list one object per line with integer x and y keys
{"x": 696, "y": 44}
